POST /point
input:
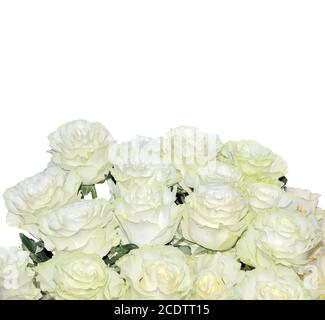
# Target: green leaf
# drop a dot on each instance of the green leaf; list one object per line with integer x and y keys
{"x": 86, "y": 189}
{"x": 118, "y": 252}
{"x": 27, "y": 243}
{"x": 36, "y": 250}
{"x": 284, "y": 180}
{"x": 93, "y": 192}
{"x": 246, "y": 267}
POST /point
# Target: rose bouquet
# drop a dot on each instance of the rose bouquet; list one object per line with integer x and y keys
{"x": 187, "y": 217}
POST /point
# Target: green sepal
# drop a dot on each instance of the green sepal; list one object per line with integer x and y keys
{"x": 118, "y": 252}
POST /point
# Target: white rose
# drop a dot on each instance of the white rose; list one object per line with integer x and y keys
{"x": 257, "y": 163}
{"x": 281, "y": 237}
{"x": 83, "y": 147}
{"x": 305, "y": 201}
{"x": 79, "y": 276}
{"x": 215, "y": 216}
{"x": 189, "y": 149}
{"x": 272, "y": 283}
{"x": 85, "y": 225}
{"x": 141, "y": 159}
{"x": 314, "y": 278}
{"x": 47, "y": 190}
{"x": 213, "y": 172}
{"x": 219, "y": 173}
{"x": 216, "y": 276}
{"x": 16, "y": 278}
{"x": 157, "y": 272}
{"x": 148, "y": 213}
{"x": 263, "y": 197}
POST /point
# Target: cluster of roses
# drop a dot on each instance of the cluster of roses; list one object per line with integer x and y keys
{"x": 188, "y": 217}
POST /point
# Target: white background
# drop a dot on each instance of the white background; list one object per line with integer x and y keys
{"x": 242, "y": 69}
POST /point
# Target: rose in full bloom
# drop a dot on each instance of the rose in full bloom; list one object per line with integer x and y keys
{"x": 189, "y": 149}
{"x": 141, "y": 159}
{"x": 264, "y": 197}
{"x": 157, "y": 272}
{"x": 305, "y": 201}
{"x": 83, "y": 147}
{"x": 314, "y": 278}
{"x": 216, "y": 276}
{"x": 147, "y": 213}
{"x": 257, "y": 163}
{"x": 219, "y": 173}
{"x": 282, "y": 237}
{"x": 272, "y": 283}
{"x": 79, "y": 276}
{"x": 85, "y": 225}
{"x": 47, "y": 190}
{"x": 215, "y": 216}
{"x": 16, "y": 279}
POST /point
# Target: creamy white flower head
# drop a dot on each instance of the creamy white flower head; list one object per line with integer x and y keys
{"x": 305, "y": 201}
{"x": 157, "y": 272}
{"x": 85, "y": 225}
{"x": 216, "y": 276}
{"x": 16, "y": 278}
{"x": 142, "y": 159}
{"x": 148, "y": 213}
{"x": 215, "y": 216}
{"x": 83, "y": 147}
{"x": 257, "y": 163}
{"x": 47, "y": 190}
{"x": 189, "y": 149}
{"x": 79, "y": 276}
{"x": 314, "y": 278}
{"x": 264, "y": 197}
{"x": 282, "y": 237}
{"x": 272, "y": 283}
{"x": 214, "y": 172}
